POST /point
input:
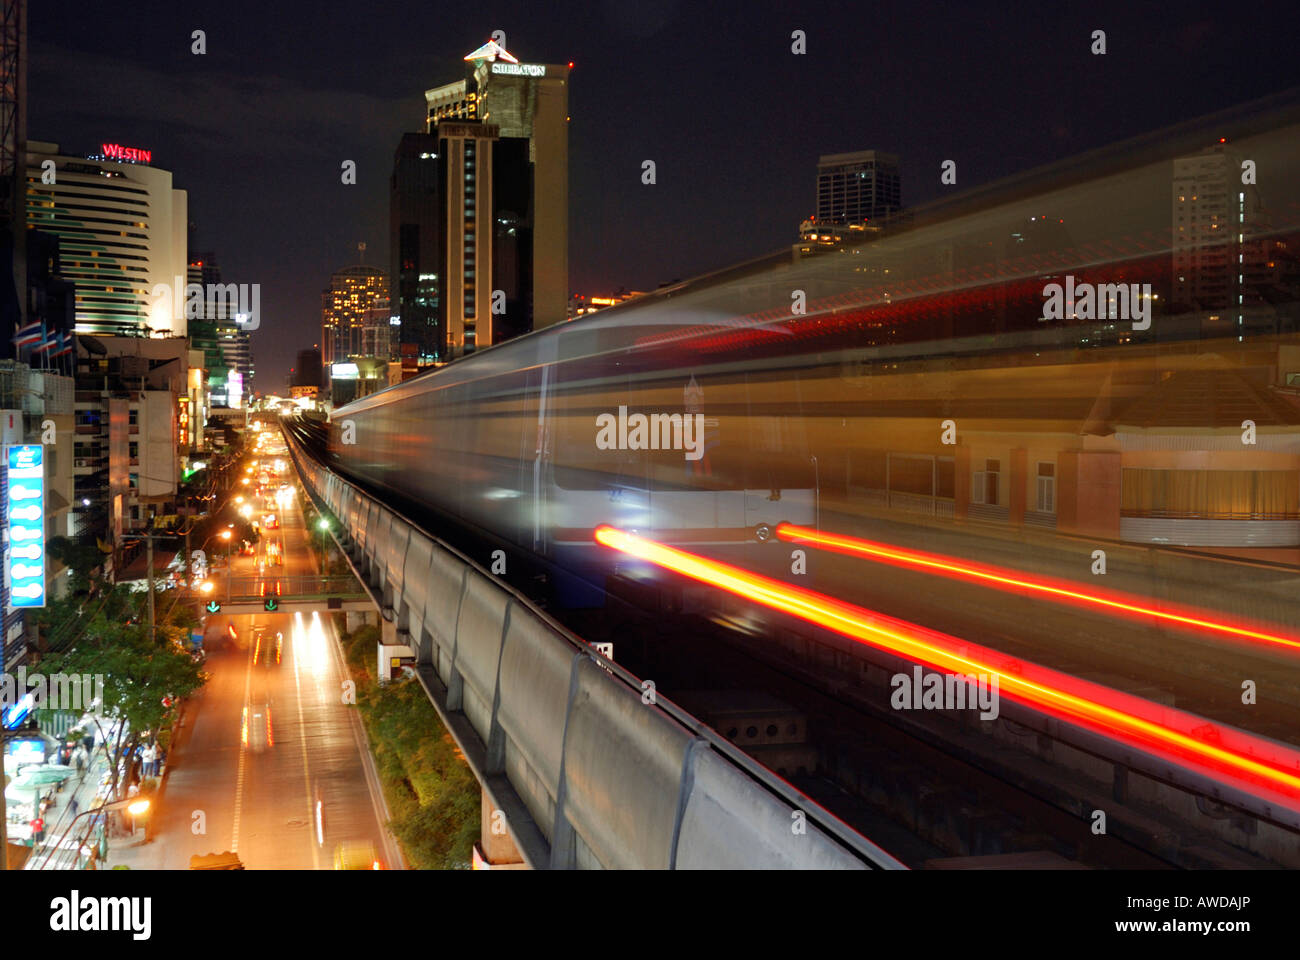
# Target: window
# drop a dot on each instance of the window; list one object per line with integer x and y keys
{"x": 134, "y": 416}
{"x": 1046, "y": 499}
{"x": 985, "y": 488}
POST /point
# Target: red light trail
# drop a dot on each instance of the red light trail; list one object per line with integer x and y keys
{"x": 1013, "y": 580}
{"x": 1246, "y": 761}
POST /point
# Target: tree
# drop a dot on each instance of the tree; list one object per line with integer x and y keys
{"x": 139, "y": 672}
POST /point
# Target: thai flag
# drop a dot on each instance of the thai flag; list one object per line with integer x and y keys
{"x": 65, "y": 343}
{"x": 29, "y": 334}
{"x": 48, "y": 340}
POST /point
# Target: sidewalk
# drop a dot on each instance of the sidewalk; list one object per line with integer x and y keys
{"x": 59, "y": 818}
{"x": 128, "y": 850}
{"x": 140, "y": 852}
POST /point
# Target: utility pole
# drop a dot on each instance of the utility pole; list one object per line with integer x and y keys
{"x": 149, "y": 555}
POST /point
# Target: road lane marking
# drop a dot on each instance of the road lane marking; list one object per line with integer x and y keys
{"x": 302, "y": 738}
{"x": 243, "y": 750}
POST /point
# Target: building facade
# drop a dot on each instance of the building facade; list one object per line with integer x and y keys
{"x": 858, "y": 187}
{"x": 354, "y": 298}
{"x": 122, "y": 231}
{"x": 416, "y": 249}
{"x": 494, "y": 162}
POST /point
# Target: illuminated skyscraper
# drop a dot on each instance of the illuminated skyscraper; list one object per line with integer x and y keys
{"x": 122, "y": 229}
{"x": 496, "y": 148}
{"x": 353, "y": 296}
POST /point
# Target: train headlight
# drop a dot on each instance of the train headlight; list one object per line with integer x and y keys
{"x": 763, "y": 532}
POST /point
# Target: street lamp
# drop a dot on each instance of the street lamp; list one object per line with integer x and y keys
{"x": 136, "y": 806}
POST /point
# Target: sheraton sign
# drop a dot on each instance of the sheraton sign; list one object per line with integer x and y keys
{"x": 520, "y": 69}
{"x": 115, "y": 151}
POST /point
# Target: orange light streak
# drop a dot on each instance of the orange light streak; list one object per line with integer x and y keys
{"x": 1003, "y": 579}
{"x": 1174, "y": 734}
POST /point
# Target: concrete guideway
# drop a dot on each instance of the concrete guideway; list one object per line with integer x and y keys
{"x": 584, "y": 767}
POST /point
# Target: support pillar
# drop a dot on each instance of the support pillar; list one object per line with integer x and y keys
{"x": 395, "y": 650}
{"x": 496, "y": 849}
{"x": 1088, "y": 493}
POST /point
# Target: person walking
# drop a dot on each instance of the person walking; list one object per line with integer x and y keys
{"x": 150, "y": 757}
{"x": 79, "y": 758}
{"x": 38, "y": 831}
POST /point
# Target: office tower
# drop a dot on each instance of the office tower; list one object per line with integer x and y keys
{"x": 416, "y": 250}
{"x": 226, "y": 345}
{"x": 1225, "y": 259}
{"x": 858, "y": 187}
{"x": 354, "y": 296}
{"x": 122, "y": 230}
{"x": 499, "y": 145}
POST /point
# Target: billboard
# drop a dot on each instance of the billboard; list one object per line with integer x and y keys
{"x": 25, "y": 518}
{"x": 234, "y": 389}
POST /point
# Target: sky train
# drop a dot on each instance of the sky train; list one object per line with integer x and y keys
{"x": 708, "y": 413}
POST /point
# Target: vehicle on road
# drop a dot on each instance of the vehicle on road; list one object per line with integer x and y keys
{"x": 267, "y": 649}
{"x": 256, "y": 730}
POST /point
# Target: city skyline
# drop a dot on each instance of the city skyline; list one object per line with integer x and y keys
{"x": 257, "y": 128}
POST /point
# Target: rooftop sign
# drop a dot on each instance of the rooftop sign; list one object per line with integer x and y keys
{"x": 115, "y": 151}
{"x": 520, "y": 69}
{"x": 490, "y": 51}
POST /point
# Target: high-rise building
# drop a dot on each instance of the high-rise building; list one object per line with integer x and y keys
{"x": 226, "y": 345}
{"x": 122, "y": 230}
{"x": 497, "y": 169}
{"x": 415, "y": 242}
{"x": 858, "y": 187}
{"x": 354, "y": 299}
{"x": 131, "y": 396}
{"x": 1225, "y": 260}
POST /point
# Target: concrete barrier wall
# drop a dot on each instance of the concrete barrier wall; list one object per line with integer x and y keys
{"x": 609, "y": 780}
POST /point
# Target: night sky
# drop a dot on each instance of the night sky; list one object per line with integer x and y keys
{"x": 256, "y": 129}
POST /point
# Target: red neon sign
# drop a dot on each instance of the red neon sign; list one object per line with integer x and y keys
{"x": 132, "y": 154}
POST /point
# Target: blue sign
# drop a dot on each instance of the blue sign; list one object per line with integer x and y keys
{"x": 25, "y": 518}
{"x": 20, "y": 711}
{"x": 26, "y": 751}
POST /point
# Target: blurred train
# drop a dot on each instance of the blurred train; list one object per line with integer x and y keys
{"x": 537, "y": 451}
{"x": 709, "y": 412}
